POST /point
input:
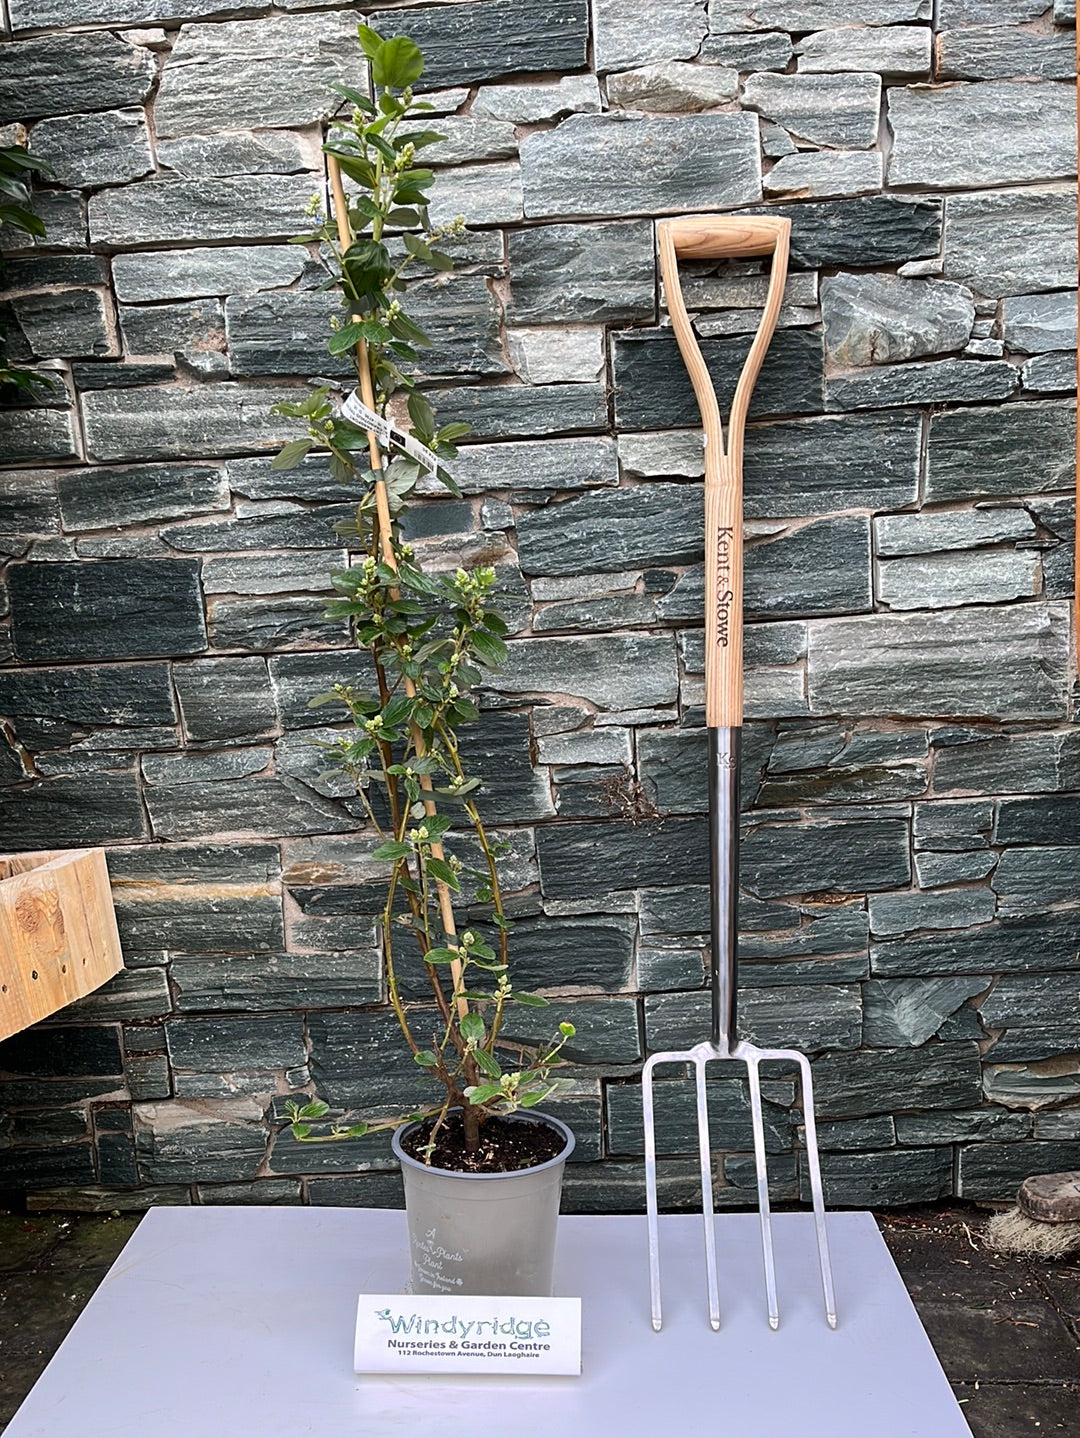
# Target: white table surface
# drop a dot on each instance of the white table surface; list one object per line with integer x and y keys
{"x": 238, "y": 1323}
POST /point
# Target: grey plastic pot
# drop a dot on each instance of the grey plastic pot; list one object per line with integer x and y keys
{"x": 486, "y": 1233}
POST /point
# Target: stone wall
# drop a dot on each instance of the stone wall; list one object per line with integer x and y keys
{"x": 912, "y": 835}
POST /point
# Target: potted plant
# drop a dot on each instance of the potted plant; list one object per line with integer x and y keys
{"x": 483, "y": 1168}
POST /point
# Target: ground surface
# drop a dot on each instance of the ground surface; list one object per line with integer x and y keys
{"x": 1007, "y": 1332}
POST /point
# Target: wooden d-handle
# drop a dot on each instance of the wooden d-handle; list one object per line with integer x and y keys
{"x": 722, "y": 237}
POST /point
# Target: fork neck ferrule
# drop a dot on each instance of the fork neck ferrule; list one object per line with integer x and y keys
{"x": 724, "y": 746}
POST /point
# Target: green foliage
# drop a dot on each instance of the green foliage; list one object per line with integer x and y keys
{"x": 431, "y": 636}
{"x": 17, "y": 168}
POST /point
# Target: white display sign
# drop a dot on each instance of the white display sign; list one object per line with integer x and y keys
{"x": 440, "y": 1333}
{"x": 356, "y": 411}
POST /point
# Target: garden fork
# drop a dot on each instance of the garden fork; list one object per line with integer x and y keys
{"x": 704, "y": 238}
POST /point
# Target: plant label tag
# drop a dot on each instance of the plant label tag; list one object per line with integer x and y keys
{"x": 418, "y": 451}
{"x": 357, "y": 412}
{"x": 441, "y": 1333}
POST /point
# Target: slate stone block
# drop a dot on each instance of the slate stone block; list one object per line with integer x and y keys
{"x": 1031, "y": 1001}
{"x": 818, "y": 568}
{"x": 480, "y": 194}
{"x": 225, "y": 699}
{"x": 66, "y": 1163}
{"x": 121, "y": 374}
{"x": 899, "y": 51}
{"x": 109, "y": 147}
{"x": 870, "y": 230}
{"x": 582, "y": 273}
{"x": 652, "y": 390}
{"x": 184, "y": 424}
{"x": 672, "y": 87}
{"x": 607, "y": 1028}
{"x": 1027, "y": 880}
{"x": 996, "y": 663}
{"x": 51, "y": 708}
{"x": 1010, "y": 449}
{"x": 995, "y": 1170}
{"x": 65, "y": 74}
{"x": 1022, "y": 763}
{"x": 109, "y": 498}
{"x": 676, "y": 1118}
{"x": 939, "y": 1076}
{"x": 1035, "y": 324}
{"x": 265, "y": 982}
{"x": 880, "y": 319}
{"x": 297, "y": 678}
{"x": 910, "y": 1011}
{"x": 1050, "y": 374}
{"x": 485, "y": 40}
{"x": 227, "y": 1044}
{"x": 1030, "y": 821}
{"x": 497, "y": 749}
{"x": 29, "y": 509}
{"x": 131, "y": 994}
{"x": 242, "y": 207}
{"x": 612, "y": 529}
{"x": 613, "y": 671}
{"x": 993, "y": 52}
{"x": 531, "y": 103}
{"x": 537, "y": 465}
{"x": 810, "y": 1016}
{"x": 523, "y": 411}
{"x": 238, "y": 74}
{"x": 118, "y": 609}
{"x": 823, "y": 174}
{"x": 310, "y": 480}
{"x": 844, "y": 855}
{"x": 1011, "y": 242}
{"x": 585, "y": 860}
{"x": 899, "y": 534}
{"x": 273, "y": 622}
{"x": 211, "y": 1141}
{"x": 191, "y": 274}
{"x": 833, "y": 110}
{"x": 68, "y": 323}
{"x": 769, "y": 50}
{"x": 196, "y": 327}
{"x": 1024, "y": 133}
{"x": 261, "y": 528}
{"x": 944, "y": 1128}
{"x": 935, "y": 870}
{"x": 933, "y": 382}
{"x": 945, "y": 581}
{"x": 1012, "y": 946}
{"x": 893, "y": 1177}
{"x": 98, "y": 808}
{"x": 574, "y": 955}
{"x": 631, "y": 34}
{"x": 45, "y": 436}
{"x": 148, "y": 1076}
{"x": 614, "y": 164}
{"x": 802, "y": 15}
{"x": 240, "y": 152}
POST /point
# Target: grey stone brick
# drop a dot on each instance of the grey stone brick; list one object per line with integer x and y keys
{"x": 1027, "y": 880}
{"x": 946, "y": 581}
{"x": 109, "y": 147}
{"x": 479, "y": 194}
{"x": 994, "y": 1170}
{"x": 71, "y": 323}
{"x": 994, "y": 133}
{"x": 241, "y": 207}
{"x": 147, "y": 1076}
{"x": 211, "y": 1140}
{"x": 66, "y": 74}
{"x": 802, "y": 15}
{"x": 871, "y": 230}
{"x": 272, "y": 527}
{"x": 676, "y": 1118}
{"x": 525, "y": 411}
{"x": 550, "y": 356}
{"x": 240, "y": 152}
{"x": 1002, "y": 663}
{"x": 998, "y": 52}
{"x": 530, "y": 104}
{"x": 100, "y": 808}
{"x": 583, "y": 860}
{"x": 29, "y": 509}
{"x": 955, "y": 530}
{"x": 996, "y": 948}
{"x": 902, "y": 52}
{"x": 1033, "y": 324}
{"x": 929, "y": 382}
{"x": 63, "y": 214}
{"x": 50, "y": 708}
{"x": 1011, "y": 242}
{"x": 989, "y": 12}
{"x": 113, "y": 610}
{"x": 855, "y": 1085}
{"x": 895, "y": 914}
{"x": 296, "y": 678}
{"x": 652, "y": 390}
{"x": 193, "y": 328}
{"x": 189, "y": 274}
{"x": 224, "y": 699}
{"x": 769, "y": 50}
{"x": 834, "y": 110}
{"x": 672, "y": 87}
{"x": 614, "y": 672}
{"x": 311, "y": 480}
{"x": 472, "y": 137}
{"x": 819, "y": 466}
{"x": 879, "y": 319}
{"x": 196, "y": 900}
{"x": 953, "y": 826}
{"x": 1050, "y": 374}
{"x": 989, "y": 763}
{"x": 611, "y": 529}
{"x": 629, "y": 34}
{"x": 841, "y": 855}
{"x": 894, "y": 1177}
{"x": 822, "y": 173}
{"x": 119, "y": 13}
{"x": 1013, "y": 449}
{"x": 1032, "y": 1086}
{"x": 582, "y": 273}
{"x": 812, "y": 1016}
{"x": 978, "y": 1123}
{"x": 239, "y": 74}
{"x": 819, "y": 568}
{"x": 110, "y": 498}
{"x": 857, "y": 1135}
{"x": 608, "y": 164}
{"x": 484, "y": 40}
{"x": 935, "y": 870}
{"x": 183, "y": 423}
{"x": 130, "y": 994}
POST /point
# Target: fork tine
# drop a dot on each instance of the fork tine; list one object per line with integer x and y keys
{"x": 816, "y": 1190}
{"x": 764, "y": 1212}
{"x": 705, "y": 1157}
{"x": 651, "y": 1199}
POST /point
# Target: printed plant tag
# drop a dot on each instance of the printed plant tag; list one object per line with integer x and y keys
{"x": 357, "y": 412}
{"x": 441, "y": 1333}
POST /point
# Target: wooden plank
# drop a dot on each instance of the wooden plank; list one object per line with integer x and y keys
{"x": 58, "y": 935}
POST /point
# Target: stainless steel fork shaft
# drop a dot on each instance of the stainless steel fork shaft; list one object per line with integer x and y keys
{"x": 724, "y": 746}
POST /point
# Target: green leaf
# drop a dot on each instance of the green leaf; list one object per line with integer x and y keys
{"x": 533, "y": 1001}
{"x": 315, "y": 1109}
{"x": 488, "y": 647}
{"x": 370, "y": 40}
{"x": 426, "y": 1059}
{"x": 397, "y": 63}
{"x": 441, "y": 956}
{"x": 420, "y": 412}
{"x": 483, "y": 1093}
{"x": 530, "y": 1100}
{"x": 442, "y": 873}
{"x": 291, "y": 454}
{"x": 392, "y": 849}
{"x": 472, "y": 1028}
{"x": 487, "y": 1064}
{"x": 567, "y": 1030}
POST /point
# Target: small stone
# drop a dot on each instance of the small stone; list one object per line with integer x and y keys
{"x": 484, "y": 39}
{"x": 108, "y": 498}
{"x": 537, "y": 465}
{"x": 673, "y": 87}
{"x": 1033, "y": 1086}
{"x": 822, "y": 173}
{"x": 869, "y": 230}
{"x": 945, "y": 581}
{"x": 934, "y": 871}
{"x": 1004, "y": 663}
{"x": 1034, "y": 324}
{"x": 985, "y": 348}
{"x": 820, "y": 466}
{"x": 265, "y": 982}
{"x": 934, "y": 382}
{"x": 552, "y": 356}
{"x": 958, "y": 826}
{"x": 194, "y": 327}
{"x": 1011, "y": 242}
{"x": 895, "y": 914}
{"x": 240, "y": 74}
{"x": 610, "y": 529}
{"x": 122, "y": 609}
{"x": 977, "y": 1123}
{"x": 472, "y": 137}
{"x": 628, "y": 33}
{"x": 994, "y": 133}
{"x": 98, "y": 808}
{"x": 480, "y": 194}
{"x": 996, "y": 52}
{"x": 224, "y": 699}
{"x": 803, "y": 15}
{"x": 855, "y": 1085}
{"x": 835, "y": 855}
{"x": 272, "y": 623}
{"x": 255, "y": 207}
{"x": 836, "y": 110}
{"x": 189, "y": 274}
{"x": 167, "y": 423}
{"x": 1050, "y": 374}
{"x": 609, "y": 164}
{"x": 69, "y": 74}
{"x": 533, "y": 104}
{"x": 994, "y": 1170}
{"x": 30, "y": 436}
{"x": 902, "y": 52}
{"x": 1032, "y": 763}
{"x": 959, "y": 529}
{"x": 769, "y": 50}
{"x": 109, "y": 147}
{"x": 1011, "y": 449}
{"x": 881, "y": 319}
{"x": 212, "y": 1139}
{"x": 66, "y": 323}
{"x": 241, "y": 152}
{"x": 1027, "y": 880}
{"x": 583, "y": 273}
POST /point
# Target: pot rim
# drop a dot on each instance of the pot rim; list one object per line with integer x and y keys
{"x": 532, "y": 1116}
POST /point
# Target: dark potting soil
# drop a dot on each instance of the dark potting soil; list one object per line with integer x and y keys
{"x": 505, "y": 1146}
